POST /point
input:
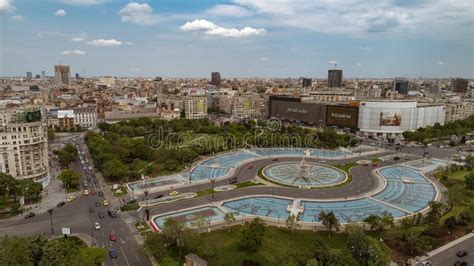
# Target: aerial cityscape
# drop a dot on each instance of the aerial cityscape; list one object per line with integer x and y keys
{"x": 239, "y": 132}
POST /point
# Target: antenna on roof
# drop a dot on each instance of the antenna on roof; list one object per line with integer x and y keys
{"x": 335, "y": 66}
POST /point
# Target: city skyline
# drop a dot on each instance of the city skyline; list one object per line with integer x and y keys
{"x": 240, "y": 38}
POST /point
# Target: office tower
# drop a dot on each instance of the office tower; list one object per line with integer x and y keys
{"x": 307, "y": 82}
{"x": 216, "y": 78}
{"x": 37, "y": 76}
{"x": 401, "y": 85}
{"x": 62, "y": 74}
{"x": 43, "y": 74}
{"x": 77, "y": 76}
{"x": 335, "y": 78}
{"x": 29, "y": 75}
{"x": 24, "y": 147}
{"x": 459, "y": 85}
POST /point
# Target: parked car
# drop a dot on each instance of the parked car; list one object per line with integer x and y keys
{"x": 112, "y": 254}
{"x": 105, "y": 202}
{"x": 30, "y": 215}
{"x": 101, "y": 215}
{"x": 86, "y": 192}
{"x": 96, "y": 226}
{"x": 60, "y": 204}
{"x": 113, "y": 237}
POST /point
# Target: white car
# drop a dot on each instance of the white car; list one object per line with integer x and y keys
{"x": 97, "y": 226}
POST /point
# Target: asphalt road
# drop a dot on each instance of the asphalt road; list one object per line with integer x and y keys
{"x": 448, "y": 256}
{"x": 76, "y": 215}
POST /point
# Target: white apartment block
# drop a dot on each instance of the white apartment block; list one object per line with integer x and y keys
{"x": 24, "y": 143}
{"x": 86, "y": 117}
{"x": 459, "y": 109}
{"x": 195, "y": 106}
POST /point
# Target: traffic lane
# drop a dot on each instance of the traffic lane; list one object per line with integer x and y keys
{"x": 448, "y": 256}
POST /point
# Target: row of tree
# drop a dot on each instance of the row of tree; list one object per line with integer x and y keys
{"x": 11, "y": 190}
{"x": 458, "y": 128}
{"x": 37, "y": 250}
{"x": 66, "y": 155}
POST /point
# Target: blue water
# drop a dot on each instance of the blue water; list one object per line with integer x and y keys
{"x": 261, "y": 206}
{"x": 192, "y": 215}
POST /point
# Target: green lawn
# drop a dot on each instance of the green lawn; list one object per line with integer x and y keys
{"x": 279, "y": 244}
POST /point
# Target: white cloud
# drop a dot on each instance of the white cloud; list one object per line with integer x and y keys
{"x": 78, "y": 39}
{"x": 81, "y": 2}
{"x": 60, "y": 13}
{"x": 263, "y": 59}
{"x": 228, "y": 11}
{"x": 104, "y": 42}
{"x": 332, "y": 62}
{"x": 441, "y": 63}
{"x": 211, "y": 29}
{"x": 17, "y": 18}
{"x": 73, "y": 52}
{"x": 136, "y": 13}
{"x": 358, "y": 64}
{"x": 6, "y": 6}
{"x": 129, "y": 43}
{"x": 363, "y": 17}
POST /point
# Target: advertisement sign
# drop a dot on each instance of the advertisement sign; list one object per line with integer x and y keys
{"x": 298, "y": 111}
{"x": 390, "y": 119}
{"x": 342, "y": 116}
{"x": 66, "y": 230}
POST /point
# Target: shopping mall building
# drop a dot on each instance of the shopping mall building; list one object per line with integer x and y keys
{"x": 381, "y": 119}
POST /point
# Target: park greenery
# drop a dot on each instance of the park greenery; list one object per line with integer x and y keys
{"x": 71, "y": 180}
{"x": 66, "y": 155}
{"x": 459, "y": 128}
{"x": 12, "y": 190}
{"x": 38, "y": 250}
{"x": 126, "y": 150}
{"x": 254, "y": 242}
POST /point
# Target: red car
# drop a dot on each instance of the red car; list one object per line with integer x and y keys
{"x": 250, "y": 167}
{"x": 374, "y": 164}
{"x": 276, "y": 159}
{"x": 93, "y": 192}
{"x": 113, "y": 237}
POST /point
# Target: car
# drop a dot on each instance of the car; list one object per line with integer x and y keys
{"x": 159, "y": 196}
{"x": 112, "y": 254}
{"x": 275, "y": 159}
{"x": 84, "y": 183}
{"x": 91, "y": 210}
{"x": 112, "y": 213}
{"x": 97, "y": 204}
{"x": 71, "y": 198}
{"x": 90, "y": 168}
{"x": 396, "y": 158}
{"x": 461, "y": 253}
{"x": 366, "y": 164}
{"x": 100, "y": 193}
{"x": 96, "y": 226}
{"x": 426, "y": 263}
{"x": 113, "y": 237}
{"x": 86, "y": 192}
{"x": 460, "y": 263}
{"x": 174, "y": 193}
{"x": 60, "y": 204}
{"x": 89, "y": 178}
{"x": 251, "y": 167}
{"x": 105, "y": 202}
{"x": 30, "y": 215}
{"x": 374, "y": 164}
{"x": 322, "y": 161}
{"x": 101, "y": 215}
{"x": 233, "y": 180}
{"x": 92, "y": 192}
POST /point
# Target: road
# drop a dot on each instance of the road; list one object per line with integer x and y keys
{"x": 446, "y": 255}
{"x": 76, "y": 215}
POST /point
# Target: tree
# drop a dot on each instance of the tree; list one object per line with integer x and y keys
{"x": 321, "y": 252}
{"x": 379, "y": 223}
{"x": 67, "y": 155}
{"x": 114, "y": 170}
{"x": 30, "y": 190}
{"x": 54, "y": 253}
{"x": 157, "y": 246}
{"x": 92, "y": 256}
{"x": 292, "y": 222}
{"x": 312, "y": 262}
{"x": 450, "y": 222}
{"x": 466, "y": 216}
{"x": 329, "y": 220}
{"x": 252, "y": 234}
{"x": 364, "y": 249}
{"x": 14, "y": 251}
{"x": 51, "y": 134}
{"x": 229, "y": 218}
{"x": 70, "y": 178}
{"x": 469, "y": 181}
{"x": 35, "y": 245}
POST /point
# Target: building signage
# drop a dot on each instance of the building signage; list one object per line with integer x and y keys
{"x": 342, "y": 116}
{"x": 296, "y": 110}
{"x": 390, "y": 119}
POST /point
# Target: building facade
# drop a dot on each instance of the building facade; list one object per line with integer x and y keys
{"x": 335, "y": 78}
{"x": 85, "y": 117}
{"x": 195, "y": 105}
{"x": 24, "y": 143}
{"x": 62, "y": 74}
{"x": 459, "y": 85}
{"x": 216, "y": 79}
{"x": 459, "y": 109}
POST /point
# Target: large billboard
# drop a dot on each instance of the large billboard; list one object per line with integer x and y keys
{"x": 342, "y": 116}
{"x": 298, "y": 111}
{"x": 390, "y": 119}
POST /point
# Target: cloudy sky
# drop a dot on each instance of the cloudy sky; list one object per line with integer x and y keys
{"x": 239, "y": 38}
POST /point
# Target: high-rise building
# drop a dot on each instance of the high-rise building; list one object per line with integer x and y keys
{"x": 23, "y": 144}
{"x": 77, "y": 76}
{"x": 216, "y": 78}
{"x": 459, "y": 85}
{"x": 62, "y": 74}
{"x": 335, "y": 78}
{"x": 29, "y": 75}
{"x": 401, "y": 85}
{"x": 307, "y": 82}
{"x": 43, "y": 74}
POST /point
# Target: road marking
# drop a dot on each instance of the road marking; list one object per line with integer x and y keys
{"x": 113, "y": 260}
{"x": 124, "y": 256}
{"x": 135, "y": 254}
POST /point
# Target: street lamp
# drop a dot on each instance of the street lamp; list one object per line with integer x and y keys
{"x": 212, "y": 182}
{"x": 50, "y": 211}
